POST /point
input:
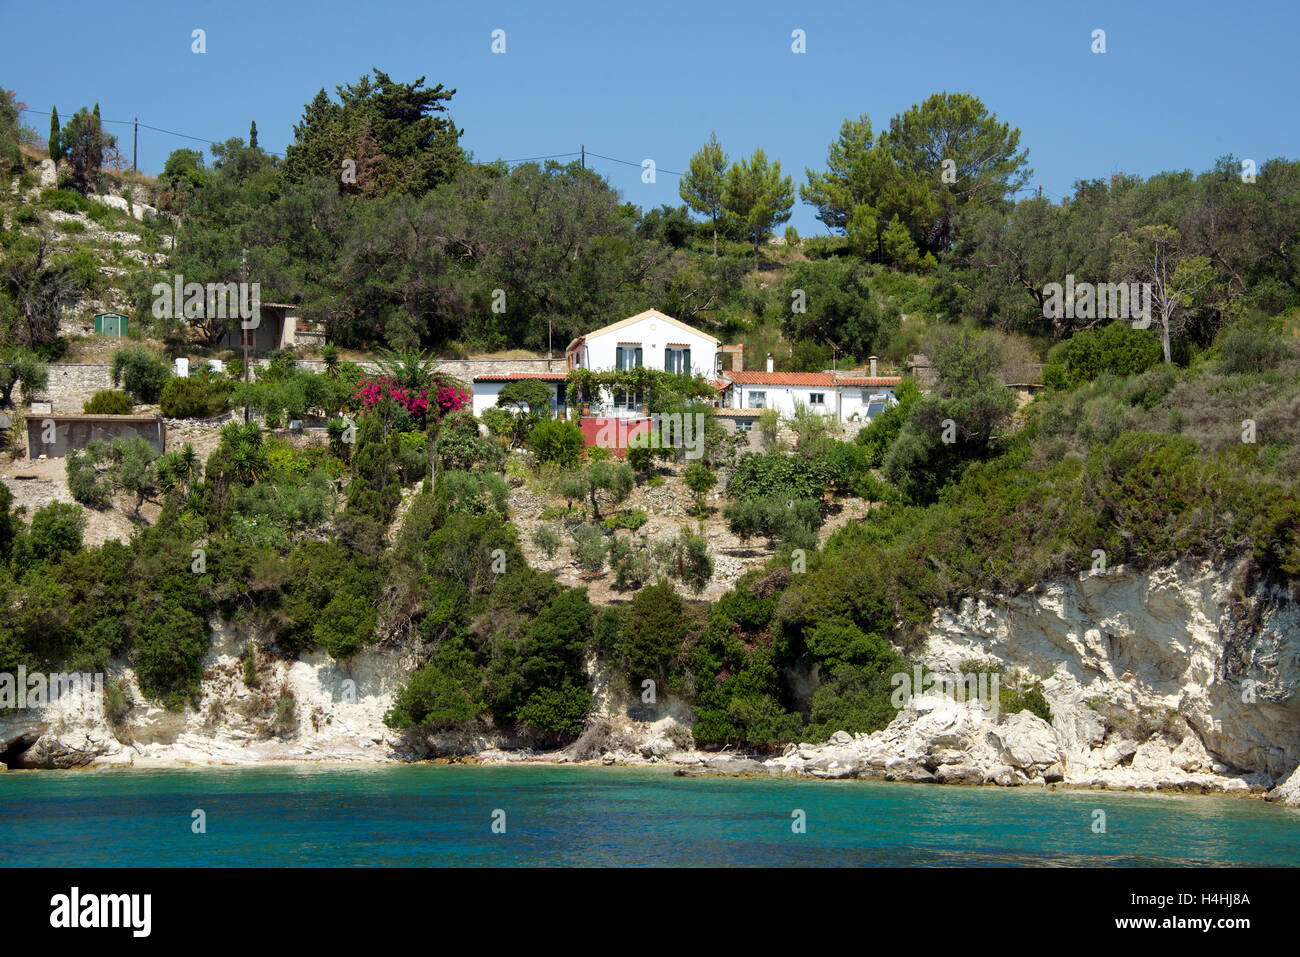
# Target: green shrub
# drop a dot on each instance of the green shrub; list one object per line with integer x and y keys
{"x": 793, "y": 522}
{"x": 195, "y": 397}
{"x": 65, "y": 201}
{"x": 631, "y": 566}
{"x": 140, "y": 372}
{"x": 590, "y": 548}
{"x": 775, "y": 475}
{"x": 699, "y": 478}
{"x": 547, "y": 540}
{"x": 632, "y": 519}
{"x": 108, "y": 402}
{"x": 1012, "y": 700}
{"x": 881, "y": 431}
{"x": 84, "y": 483}
{"x": 555, "y": 711}
{"x": 1245, "y": 349}
{"x": 1116, "y": 348}
{"x": 558, "y": 441}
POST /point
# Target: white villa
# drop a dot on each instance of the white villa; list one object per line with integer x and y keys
{"x": 654, "y": 340}
{"x": 649, "y": 339}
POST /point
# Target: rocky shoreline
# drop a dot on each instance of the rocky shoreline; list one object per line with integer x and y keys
{"x": 1156, "y": 681}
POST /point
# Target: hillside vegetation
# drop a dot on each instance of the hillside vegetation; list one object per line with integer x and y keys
{"x": 1147, "y": 445}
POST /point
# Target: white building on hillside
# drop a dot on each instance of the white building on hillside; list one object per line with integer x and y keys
{"x": 654, "y": 340}
{"x": 847, "y": 396}
{"x": 488, "y": 386}
{"x": 649, "y": 339}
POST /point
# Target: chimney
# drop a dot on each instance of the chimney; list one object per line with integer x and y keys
{"x": 737, "y": 354}
{"x": 771, "y": 364}
{"x": 873, "y": 367}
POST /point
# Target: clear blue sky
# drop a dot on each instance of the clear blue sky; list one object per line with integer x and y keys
{"x": 1181, "y": 83}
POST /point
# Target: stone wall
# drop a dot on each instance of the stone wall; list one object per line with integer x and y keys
{"x": 71, "y": 384}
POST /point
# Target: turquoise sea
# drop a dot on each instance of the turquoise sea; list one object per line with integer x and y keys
{"x": 424, "y": 815}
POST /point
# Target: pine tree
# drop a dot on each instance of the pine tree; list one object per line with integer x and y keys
{"x": 56, "y": 149}
{"x": 702, "y": 187}
{"x": 252, "y": 136}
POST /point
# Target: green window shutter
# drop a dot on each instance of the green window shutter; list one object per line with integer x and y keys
{"x": 668, "y": 360}
{"x": 638, "y": 357}
{"x": 686, "y": 361}
{"x": 618, "y": 358}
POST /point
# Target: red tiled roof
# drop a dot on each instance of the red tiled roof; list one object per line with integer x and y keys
{"x": 827, "y": 379}
{"x": 780, "y": 378}
{"x": 869, "y": 380}
{"x": 516, "y": 376}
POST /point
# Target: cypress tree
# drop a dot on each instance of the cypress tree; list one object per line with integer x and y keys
{"x": 252, "y": 136}
{"x": 97, "y": 153}
{"x": 56, "y": 149}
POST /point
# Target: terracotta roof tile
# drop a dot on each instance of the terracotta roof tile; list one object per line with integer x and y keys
{"x": 516, "y": 376}
{"x": 780, "y": 378}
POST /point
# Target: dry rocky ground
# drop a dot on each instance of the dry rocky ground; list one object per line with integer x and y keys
{"x": 36, "y": 483}
{"x": 667, "y": 509}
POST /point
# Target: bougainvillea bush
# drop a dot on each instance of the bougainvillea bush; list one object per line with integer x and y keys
{"x": 446, "y": 397}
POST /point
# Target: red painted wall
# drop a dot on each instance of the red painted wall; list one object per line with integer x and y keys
{"x": 611, "y": 432}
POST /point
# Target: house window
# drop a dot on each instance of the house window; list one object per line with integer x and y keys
{"x": 817, "y": 398}
{"x": 744, "y": 425}
{"x": 627, "y": 356}
{"x": 677, "y": 359}
{"x": 628, "y": 398}
{"x": 758, "y": 400}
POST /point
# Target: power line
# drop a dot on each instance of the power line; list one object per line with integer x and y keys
{"x": 533, "y": 159}
{"x": 157, "y": 129}
{"x": 658, "y": 169}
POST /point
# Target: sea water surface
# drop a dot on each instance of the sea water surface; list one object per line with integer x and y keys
{"x": 423, "y": 815}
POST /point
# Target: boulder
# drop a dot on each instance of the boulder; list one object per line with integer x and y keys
{"x": 1115, "y": 753}
{"x": 1025, "y": 740}
{"x": 1288, "y": 792}
{"x": 728, "y": 765}
{"x": 1007, "y": 776}
{"x": 841, "y": 737}
{"x": 959, "y": 774}
{"x": 1190, "y": 755}
{"x": 1153, "y": 755}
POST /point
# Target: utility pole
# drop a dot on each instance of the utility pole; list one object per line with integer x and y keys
{"x": 135, "y": 143}
{"x": 243, "y": 333}
{"x": 584, "y": 156}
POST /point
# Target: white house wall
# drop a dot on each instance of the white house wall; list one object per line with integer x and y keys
{"x": 485, "y": 395}
{"x": 653, "y": 334}
{"x": 844, "y": 402}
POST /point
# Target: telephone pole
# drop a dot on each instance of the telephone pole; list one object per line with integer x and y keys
{"x": 584, "y": 156}
{"x": 243, "y": 333}
{"x": 135, "y": 143}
